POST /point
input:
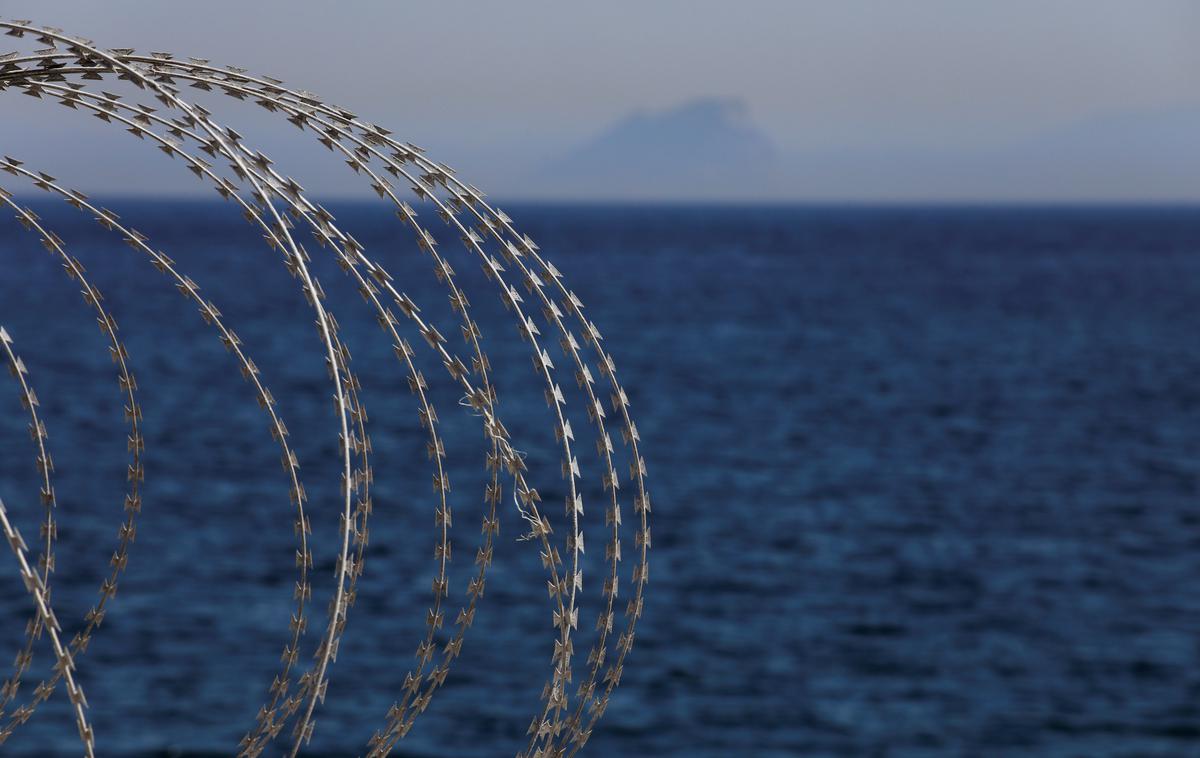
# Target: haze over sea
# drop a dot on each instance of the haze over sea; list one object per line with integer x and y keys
{"x": 924, "y": 481}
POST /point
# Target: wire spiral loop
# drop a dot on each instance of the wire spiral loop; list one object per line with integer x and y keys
{"x": 68, "y": 70}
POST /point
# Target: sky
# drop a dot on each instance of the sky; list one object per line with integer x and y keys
{"x": 928, "y": 99}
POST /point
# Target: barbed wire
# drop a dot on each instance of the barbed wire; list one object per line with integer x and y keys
{"x": 64, "y": 69}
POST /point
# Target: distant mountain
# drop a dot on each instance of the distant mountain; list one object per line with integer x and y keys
{"x": 703, "y": 148}
{"x": 710, "y": 149}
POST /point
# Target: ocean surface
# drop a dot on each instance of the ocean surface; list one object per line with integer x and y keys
{"x": 924, "y": 481}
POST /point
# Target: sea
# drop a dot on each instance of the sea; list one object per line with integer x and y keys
{"x": 924, "y": 481}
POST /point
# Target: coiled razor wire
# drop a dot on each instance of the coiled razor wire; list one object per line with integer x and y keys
{"x": 62, "y": 69}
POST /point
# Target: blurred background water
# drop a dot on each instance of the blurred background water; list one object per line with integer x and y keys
{"x": 924, "y": 482}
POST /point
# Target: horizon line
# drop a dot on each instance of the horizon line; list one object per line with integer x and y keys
{"x": 667, "y": 201}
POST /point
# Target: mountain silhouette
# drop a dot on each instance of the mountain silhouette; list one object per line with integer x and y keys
{"x": 704, "y": 147}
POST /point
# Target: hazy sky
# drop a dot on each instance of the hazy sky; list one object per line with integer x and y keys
{"x": 879, "y": 84}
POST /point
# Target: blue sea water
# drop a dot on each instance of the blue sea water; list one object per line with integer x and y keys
{"x": 924, "y": 482}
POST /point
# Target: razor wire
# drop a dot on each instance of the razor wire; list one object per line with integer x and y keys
{"x": 68, "y": 70}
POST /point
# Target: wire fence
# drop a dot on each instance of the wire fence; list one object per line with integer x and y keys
{"x": 70, "y": 71}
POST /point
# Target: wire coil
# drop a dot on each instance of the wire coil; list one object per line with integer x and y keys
{"x": 67, "y": 70}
